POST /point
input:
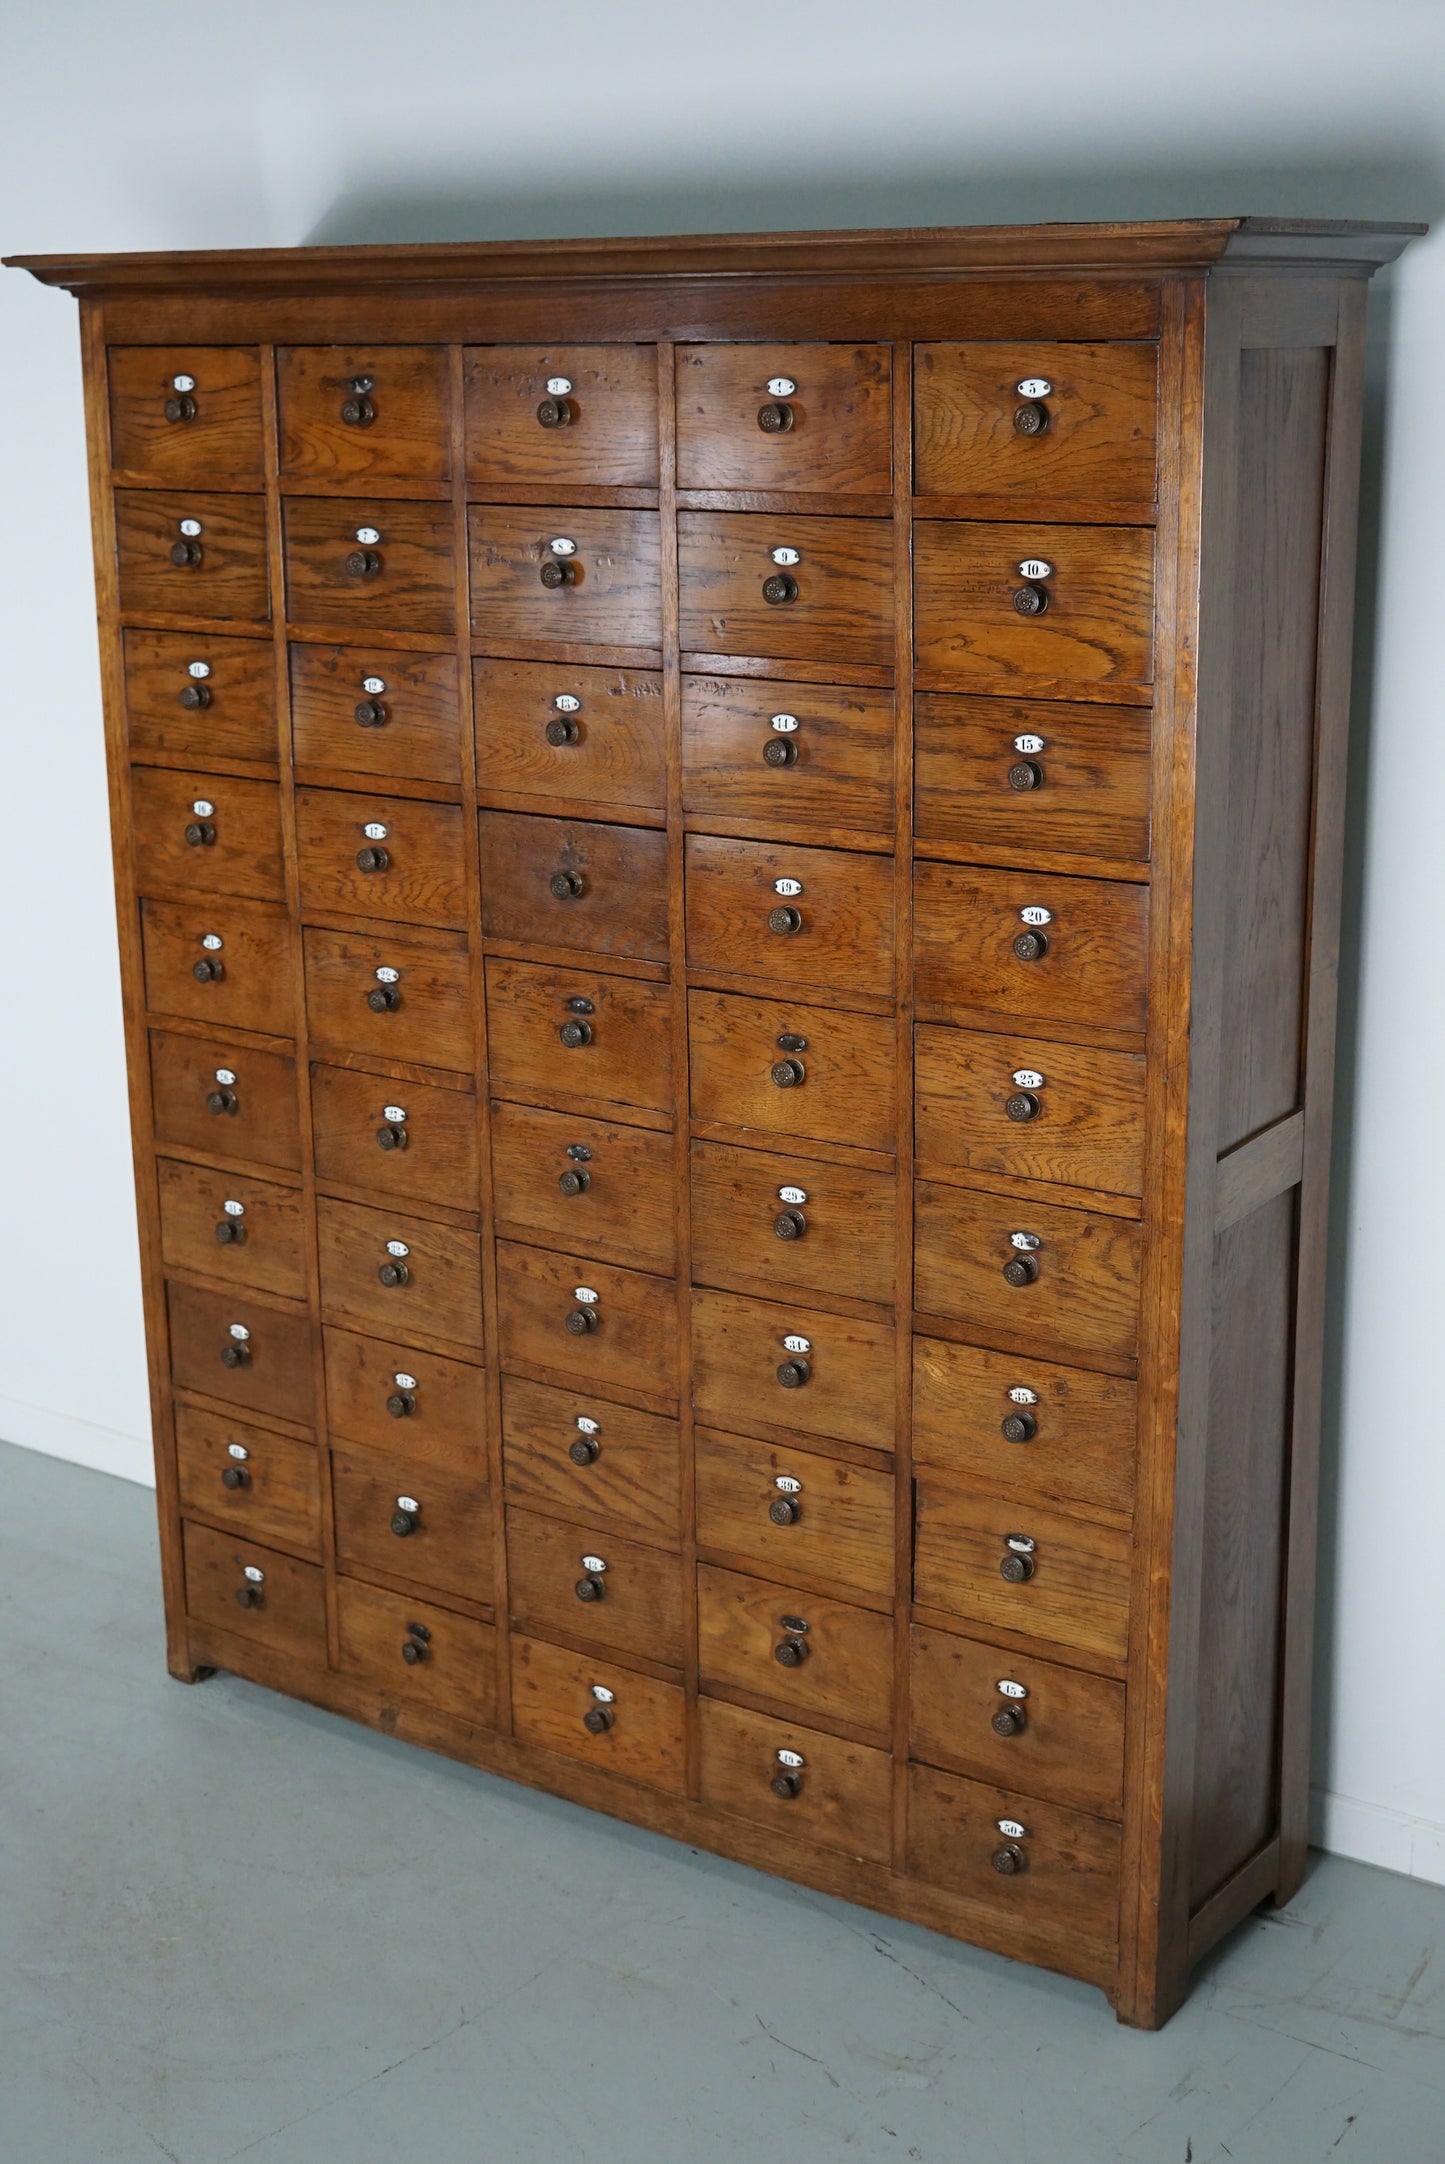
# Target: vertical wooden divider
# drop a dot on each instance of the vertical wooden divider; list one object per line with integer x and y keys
{"x": 902, "y": 373}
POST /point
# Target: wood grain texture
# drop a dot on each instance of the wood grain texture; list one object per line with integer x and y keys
{"x": 844, "y": 912}
{"x": 276, "y": 1374}
{"x": 841, "y": 774}
{"x": 256, "y": 1119}
{"x": 281, "y": 1497}
{"x": 417, "y": 738}
{"x": 847, "y": 1245}
{"x": 239, "y": 719}
{"x": 1068, "y": 1746}
{"x": 1087, "y": 1131}
{"x": 1070, "y": 1880}
{"x": 609, "y": 437}
{"x": 407, "y": 436}
{"x": 843, "y": 609}
{"x": 1091, "y": 798}
{"x": 1098, "y": 438}
{"x": 254, "y": 986}
{"x": 263, "y": 1243}
{"x": 630, "y": 1486}
{"x": 552, "y": 1689}
{"x": 441, "y": 1294}
{"x": 285, "y": 1606}
{"x": 639, "y": 1608}
{"x": 412, "y": 591}
{"x": 431, "y": 1021}
{"x": 843, "y": 1798}
{"x": 624, "y": 1062}
{"x": 221, "y": 438}
{"x": 623, "y": 1214}
{"x": 848, "y": 1092}
{"x": 243, "y": 852}
{"x": 841, "y": 1539}
{"x": 421, "y": 878}
{"x": 613, "y": 598}
{"x": 737, "y": 1351}
{"x": 1098, "y": 626}
{"x": 618, "y": 907}
{"x": 1084, "y": 1440}
{"x": 227, "y": 581}
{"x": 845, "y": 1673}
{"x": 458, "y": 1674}
{"x": 1078, "y": 1595}
{"x": 634, "y": 1346}
{"x": 449, "y": 1546}
{"x": 1093, "y": 969}
{"x": 614, "y": 755}
{"x": 445, "y": 1426}
{"x": 837, "y": 440}
{"x": 439, "y": 1160}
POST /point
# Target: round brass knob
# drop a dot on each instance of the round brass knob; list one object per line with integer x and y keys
{"x": 1023, "y": 1105}
{"x": 403, "y": 1523}
{"x": 784, "y": 1510}
{"x": 785, "y": 919}
{"x": 574, "y": 1182}
{"x": 230, "y": 1232}
{"x": 372, "y": 860}
{"x": 563, "y": 730}
{"x": 195, "y": 696}
{"x": 391, "y": 1136}
{"x": 401, "y": 1404}
{"x": 1021, "y": 1270}
{"x": 200, "y": 834}
{"x": 357, "y": 412}
{"x": 786, "y": 1784}
{"x": 586, "y": 1450}
{"x": 1016, "y": 1569}
{"x": 597, "y": 1720}
{"x": 775, "y": 418}
{"x": 394, "y": 1273}
{"x": 589, "y": 1588}
{"x": 1009, "y": 1860}
{"x": 1030, "y": 600}
{"x": 1023, "y": 774}
{"x": 181, "y": 408}
{"x": 554, "y": 574}
{"x": 1019, "y": 1427}
{"x": 384, "y": 999}
{"x": 574, "y": 1033}
{"x": 567, "y": 886}
{"x": 779, "y": 589}
{"x": 788, "y": 1073}
{"x": 792, "y": 1374}
{"x": 208, "y": 970}
{"x": 1009, "y": 1721}
{"x": 235, "y": 1476}
{"x": 780, "y": 751}
{"x": 1031, "y": 946}
{"x": 790, "y": 1652}
{"x": 363, "y": 564}
{"x": 234, "y": 1355}
{"x": 370, "y": 714}
{"x": 790, "y": 1224}
{"x": 186, "y": 555}
{"x": 250, "y": 1596}
{"x": 554, "y": 413}
{"x": 414, "y": 1651}
{"x": 1030, "y": 419}
{"x": 222, "y": 1101}
{"x": 582, "y": 1321}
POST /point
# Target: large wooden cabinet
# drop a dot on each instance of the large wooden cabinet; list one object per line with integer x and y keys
{"x": 728, "y": 856}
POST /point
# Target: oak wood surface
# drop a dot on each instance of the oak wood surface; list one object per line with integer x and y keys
{"x": 239, "y": 718}
{"x": 264, "y": 1243}
{"x": 1098, "y": 437}
{"x": 837, "y": 438}
{"x": 421, "y": 877}
{"x": 614, "y": 755}
{"x": 1071, "y": 1877}
{"x": 1087, "y": 1130}
{"x": 738, "y": 1349}
{"x": 635, "y": 1341}
{"x": 449, "y": 1547}
{"x": 845, "y": 1672}
{"x": 631, "y": 1484}
{"x": 848, "y": 1091}
{"x": 286, "y": 1604}
{"x": 841, "y": 775}
{"x": 275, "y": 1375}
{"x": 847, "y": 1244}
{"x": 227, "y": 580}
{"x": 616, "y": 905}
{"x": 234, "y": 847}
{"x": 843, "y": 906}
{"x": 1084, "y": 1440}
{"x": 256, "y": 1118}
{"x": 843, "y": 606}
{"x": 406, "y": 436}
{"x": 612, "y": 597}
{"x": 417, "y": 736}
{"x": 624, "y": 1213}
{"x": 1093, "y": 967}
{"x": 437, "y": 1163}
{"x": 280, "y": 1499}
{"x": 1078, "y": 1595}
{"x": 639, "y": 1607}
{"x": 1091, "y": 797}
{"x": 457, "y": 1675}
{"x": 1097, "y": 626}
{"x": 842, "y": 1801}
{"x": 219, "y": 436}
{"x": 431, "y": 1020}
{"x": 411, "y": 591}
{"x": 445, "y": 1424}
{"x": 841, "y": 1538}
{"x": 252, "y": 987}
{"x": 608, "y": 437}
{"x": 441, "y": 1293}
{"x": 1068, "y": 1746}
{"x": 552, "y": 1689}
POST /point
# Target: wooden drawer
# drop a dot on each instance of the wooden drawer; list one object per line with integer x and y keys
{"x": 1097, "y": 626}
{"x": 1066, "y": 1896}
{"x": 738, "y": 1349}
{"x": 841, "y": 605}
{"x": 831, "y": 433}
{"x": 634, "y": 1344}
{"x": 839, "y": 770}
{"x": 1082, "y": 1123}
{"x": 840, "y": 1658}
{"x": 267, "y": 1487}
{"x": 206, "y": 834}
{"x": 364, "y": 413}
{"x": 382, "y": 1635}
{"x": 601, "y": 430}
{"x": 233, "y": 1585}
{"x": 1084, "y": 1298}
{"x": 839, "y": 1239}
{"x": 611, "y": 592}
{"x": 403, "y": 581}
{"x": 358, "y": 1146}
{"x": 430, "y": 1527}
{"x": 221, "y": 571}
{"x": 980, "y": 788}
{"x": 206, "y": 429}
{"x": 625, "y": 1212}
{"x": 437, "y": 1418}
{"x": 1077, "y": 1595}
{"x": 1057, "y": 1732}
{"x": 408, "y": 730}
{"x": 228, "y": 1225}
{"x": 625, "y": 1471}
{"x": 1095, "y": 961}
{"x": 840, "y": 1536}
{"x": 207, "y": 1095}
{"x": 1088, "y": 438}
{"x": 839, "y": 1086}
{"x": 229, "y": 712}
{"x": 244, "y": 980}
{"x": 267, "y": 1363}
{"x": 796, "y": 1780}
{"x": 433, "y": 1285}
{"x": 644, "y": 1737}
{"x": 381, "y": 856}
{"x": 574, "y": 883}
{"x": 624, "y": 1056}
{"x": 1074, "y": 1432}
{"x": 602, "y": 745}
{"x": 419, "y": 1010}
{"x": 633, "y": 1604}
{"x": 782, "y": 915}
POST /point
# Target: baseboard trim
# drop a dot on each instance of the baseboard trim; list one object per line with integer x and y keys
{"x": 1373, "y": 1833}
{"x": 61, "y": 1435}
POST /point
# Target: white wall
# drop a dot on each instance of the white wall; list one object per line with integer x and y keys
{"x": 281, "y": 121}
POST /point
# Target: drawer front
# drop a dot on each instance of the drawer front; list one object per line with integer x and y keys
{"x": 831, "y": 432}
{"x": 796, "y": 1516}
{"x": 394, "y": 1273}
{"x": 353, "y": 413}
{"x": 834, "y": 603}
{"x": 225, "y": 961}
{"x": 401, "y": 996}
{"x": 838, "y": 1085}
{"x": 1088, "y": 438}
{"x": 224, "y": 1345}
{"x": 418, "y": 1655}
{"x": 632, "y": 1343}
{"x": 409, "y": 729}
{"x": 574, "y": 883}
{"x": 837, "y": 1659}
{"x": 1094, "y": 963}
{"x": 573, "y": 1455}
{"x": 422, "y": 1406}
{"x": 1081, "y": 1121}
{"x": 1066, "y": 1895}
{"x": 748, "y": 1221}
{"x": 228, "y": 1225}
{"x": 206, "y": 834}
{"x": 608, "y": 589}
{"x": 403, "y": 581}
{"x": 784, "y": 915}
{"x": 1071, "y": 1436}
{"x": 431, "y": 1156}
{"x": 206, "y": 429}
{"x": 618, "y": 1047}
{"x": 564, "y": 1181}
{"x": 234, "y": 1585}
{"x": 216, "y": 570}
{"x": 1084, "y": 1297}
{"x": 631, "y": 1605}
{"x": 1077, "y": 1593}
{"x": 795, "y": 1779}
{"x": 228, "y": 711}
{"x": 1025, "y": 776}
{"x": 411, "y": 870}
{"x": 562, "y": 729}
{"x": 1055, "y": 1732}
{"x": 841, "y": 1386}
{"x": 207, "y": 1095}
{"x": 264, "y": 1486}
{"x": 430, "y": 1527}
{"x": 523, "y": 426}
{"x": 640, "y": 1731}
{"x": 1096, "y": 625}
{"x": 741, "y": 759}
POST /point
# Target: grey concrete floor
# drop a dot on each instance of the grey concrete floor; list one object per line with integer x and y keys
{"x": 234, "y": 1928}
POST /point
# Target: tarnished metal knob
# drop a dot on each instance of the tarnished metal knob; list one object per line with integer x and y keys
{"x": 792, "y": 1374}
{"x": 230, "y": 1232}
{"x": 200, "y": 834}
{"x": 582, "y": 1321}
{"x": 195, "y": 696}
{"x": 363, "y": 564}
{"x": 574, "y": 1033}
{"x": 586, "y": 1450}
{"x": 1016, "y": 1569}
{"x": 775, "y": 418}
{"x": 562, "y": 730}
{"x": 1021, "y": 1270}
{"x": 1023, "y": 774}
{"x": 370, "y": 714}
{"x": 1022, "y": 1106}
{"x": 394, "y": 1273}
{"x": 1009, "y": 1721}
{"x": 785, "y": 919}
{"x": 779, "y": 588}
{"x": 235, "y": 1355}
{"x": 597, "y": 1720}
{"x": 1009, "y": 1860}
{"x": 780, "y": 751}
{"x": 790, "y": 1224}
{"x": 414, "y": 1651}
{"x": 784, "y": 1510}
{"x": 554, "y": 413}
{"x": 786, "y": 1784}
{"x": 180, "y": 408}
{"x": 567, "y": 886}
{"x": 403, "y": 1523}
{"x": 788, "y": 1073}
{"x": 384, "y": 999}
{"x": 372, "y": 859}
{"x": 1030, "y": 600}
{"x": 357, "y": 412}
{"x": 401, "y": 1404}
{"x": 234, "y": 1477}
{"x": 222, "y": 1101}
{"x": 208, "y": 970}
{"x": 391, "y": 1136}
{"x": 1018, "y": 1427}
{"x": 590, "y": 1588}
{"x": 574, "y": 1182}
{"x": 1030, "y": 419}
{"x": 554, "y": 574}
{"x": 250, "y": 1596}
{"x": 790, "y": 1652}
{"x": 1031, "y": 946}
{"x": 186, "y": 555}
